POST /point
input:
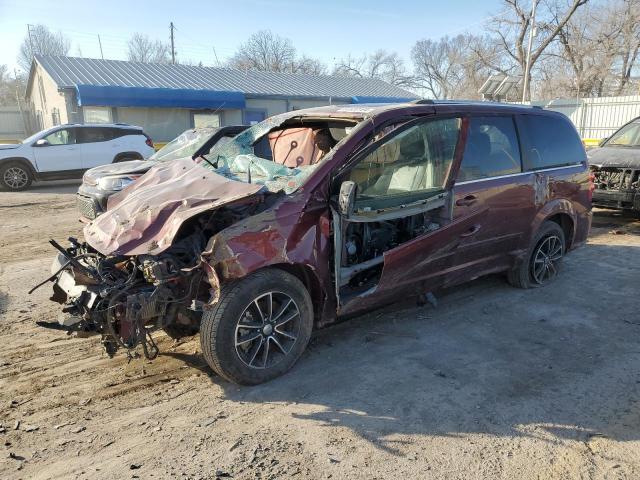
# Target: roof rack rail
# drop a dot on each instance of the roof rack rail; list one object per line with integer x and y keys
{"x": 423, "y": 101}
{"x": 121, "y": 123}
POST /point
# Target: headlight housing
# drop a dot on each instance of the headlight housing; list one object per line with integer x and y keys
{"x": 115, "y": 183}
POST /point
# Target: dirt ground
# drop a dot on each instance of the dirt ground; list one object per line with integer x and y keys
{"x": 493, "y": 383}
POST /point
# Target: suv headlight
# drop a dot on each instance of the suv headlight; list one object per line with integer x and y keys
{"x": 115, "y": 183}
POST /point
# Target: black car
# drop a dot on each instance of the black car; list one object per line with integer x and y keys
{"x": 99, "y": 183}
{"x": 615, "y": 166}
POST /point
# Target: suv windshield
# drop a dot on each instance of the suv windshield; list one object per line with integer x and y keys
{"x": 184, "y": 145}
{"x": 278, "y": 156}
{"x": 628, "y": 136}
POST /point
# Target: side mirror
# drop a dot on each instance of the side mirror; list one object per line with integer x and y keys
{"x": 346, "y": 197}
{"x": 42, "y": 143}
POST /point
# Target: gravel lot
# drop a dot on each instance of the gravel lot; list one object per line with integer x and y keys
{"x": 493, "y": 383}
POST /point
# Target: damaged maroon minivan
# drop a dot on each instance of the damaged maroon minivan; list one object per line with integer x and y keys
{"x": 321, "y": 213}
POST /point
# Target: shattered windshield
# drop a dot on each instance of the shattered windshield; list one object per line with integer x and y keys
{"x": 184, "y": 145}
{"x": 280, "y": 157}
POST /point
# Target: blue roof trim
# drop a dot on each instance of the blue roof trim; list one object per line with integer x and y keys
{"x": 381, "y": 99}
{"x": 115, "y": 96}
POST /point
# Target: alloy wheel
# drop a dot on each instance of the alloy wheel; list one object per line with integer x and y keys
{"x": 15, "y": 178}
{"x": 544, "y": 264}
{"x": 267, "y": 330}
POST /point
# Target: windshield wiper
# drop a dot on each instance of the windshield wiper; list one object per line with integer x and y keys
{"x": 207, "y": 160}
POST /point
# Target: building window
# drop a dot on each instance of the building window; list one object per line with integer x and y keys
{"x": 55, "y": 116}
{"x": 97, "y": 114}
{"x": 201, "y": 120}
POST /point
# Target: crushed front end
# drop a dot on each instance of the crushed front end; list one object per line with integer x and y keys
{"x": 125, "y": 298}
{"x": 616, "y": 187}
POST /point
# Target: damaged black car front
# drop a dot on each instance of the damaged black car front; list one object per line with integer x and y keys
{"x": 615, "y": 166}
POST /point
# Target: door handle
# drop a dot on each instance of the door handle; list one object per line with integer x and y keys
{"x": 472, "y": 231}
{"x": 466, "y": 201}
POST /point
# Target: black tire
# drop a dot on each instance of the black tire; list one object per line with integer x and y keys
{"x": 221, "y": 327}
{"x": 524, "y": 275}
{"x": 15, "y": 177}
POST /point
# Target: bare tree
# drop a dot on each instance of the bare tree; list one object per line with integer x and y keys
{"x": 596, "y": 52}
{"x": 454, "y": 67}
{"x": 629, "y": 39}
{"x": 383, "y": 65}
{"x": 41, "y": 41}
{"x": 513, "y": 26}
{"x": 142, "y": 49}
{"x": 12, "y": 86}
{"x": 265, "y": 51}
{"x": 309, "y": 66}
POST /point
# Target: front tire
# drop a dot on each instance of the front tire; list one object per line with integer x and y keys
{"x": 15, "y": 177}
{"x": 543, "y": 260}
{"x": 259, "y": 327}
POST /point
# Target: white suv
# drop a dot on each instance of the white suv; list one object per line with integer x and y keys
{"x": 66, "y": 151}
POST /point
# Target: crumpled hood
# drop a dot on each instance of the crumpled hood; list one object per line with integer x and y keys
{"x": 9, "y": 146}
{"x": 619, "y": 157}
{"x": 123, "y": 168}
{"x": 145, "y": 217}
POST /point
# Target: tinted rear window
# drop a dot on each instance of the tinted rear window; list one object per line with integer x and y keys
{"x": 549, "y": 141}
{"x": 491, "y": 150}
{"x": 95, "y": 134}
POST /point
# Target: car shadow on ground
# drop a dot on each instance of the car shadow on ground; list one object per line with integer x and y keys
{"x": 561, "y": 361}
{"x": 61, "y": 186}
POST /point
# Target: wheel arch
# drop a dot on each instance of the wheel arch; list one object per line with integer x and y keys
{"x": 562, "y": 212}
{"x": 127, "y": 155}
{"x": 567, "y": 224}
{"x": 311, "y": 282}
{"x": 22, "y": 161}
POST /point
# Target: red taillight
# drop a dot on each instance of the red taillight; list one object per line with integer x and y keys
{"x": 148, "y": 141}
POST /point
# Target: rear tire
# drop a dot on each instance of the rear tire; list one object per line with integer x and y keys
{"x": 543, "y": 259}
{"x": 259, "y": 327}
{"x": 15, "y": 177}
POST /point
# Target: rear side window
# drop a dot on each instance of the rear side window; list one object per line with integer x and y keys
{"x": 121, "y": 132}
{"x": 549, "y": 141}
{"x": 491, "y": 150}
{"x": 95, "y": 134}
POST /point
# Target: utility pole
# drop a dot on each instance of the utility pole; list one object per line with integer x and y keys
{"x": 173, "y": 47}
{"x": 527, "y": 68}
{"x": 216, "y": 55}
{"x": 30, "y": 39}
{"x": 100, "y": 43}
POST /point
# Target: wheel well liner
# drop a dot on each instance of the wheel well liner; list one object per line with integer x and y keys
{"x": 131, "y": 155}
{"x": 566, "y": 223}
{"x": 311, "y": 282}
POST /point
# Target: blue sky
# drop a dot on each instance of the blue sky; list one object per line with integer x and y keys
{"x": 328, "y": 29}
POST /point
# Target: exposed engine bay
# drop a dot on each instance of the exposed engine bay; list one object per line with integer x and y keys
{"x": 610, "y": 178}
{"x": 125, "y": 298}
{"x": 144, "y": 264}
{"x": 616, "y": 187}
{"x": 364, "y": 242}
